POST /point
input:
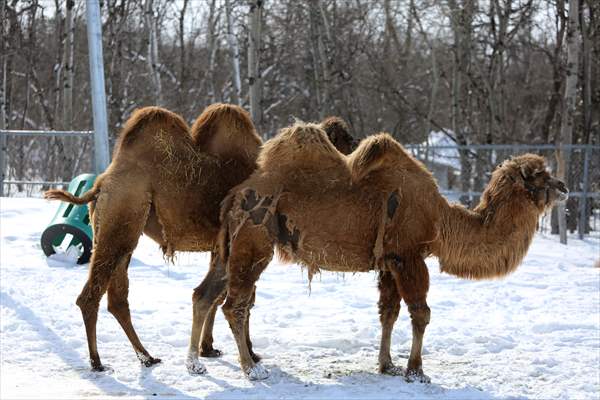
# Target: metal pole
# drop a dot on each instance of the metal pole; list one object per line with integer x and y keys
{"x": 2, "y": 163}
{"x": 3, "y": 137}
{"x": 94, "y": 33}
{"x": 583, "y": 200}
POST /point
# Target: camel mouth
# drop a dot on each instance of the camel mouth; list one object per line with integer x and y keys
{"x": 562, "y": 196}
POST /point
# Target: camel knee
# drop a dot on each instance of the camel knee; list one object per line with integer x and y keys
{"x": 235, "y": 313}
{"x": 117, "y": 307}
{"x": 388, "y": 313}
{"x": 88, "y": 300}
{"x": 420, "y": 315}
{"x": 209, "y": 291}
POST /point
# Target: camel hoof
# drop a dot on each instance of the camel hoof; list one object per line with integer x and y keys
{"x": 102, "y": 368}
{"x": 194, "y": 366}
{"x": 255, "y": 357}
{"x": 413, "y": 375}
{"x": 257, "y": 372}
{"x": 393, "y": 370}
{"x": 211, "y": 353}
{"x": 147, "y": 360}
{"x": 151, "y": 361}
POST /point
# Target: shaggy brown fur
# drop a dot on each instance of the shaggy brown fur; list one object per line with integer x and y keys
{"x": 378, "y": 209}
{"x": 167, "y": 182}
{"x": 338, "y": 132}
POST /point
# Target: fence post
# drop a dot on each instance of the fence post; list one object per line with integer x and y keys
{"x": 94, "y": 33}
{"x": 584, "y": 193}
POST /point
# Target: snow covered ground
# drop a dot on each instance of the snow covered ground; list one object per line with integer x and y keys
{"x": 535, "y": 334}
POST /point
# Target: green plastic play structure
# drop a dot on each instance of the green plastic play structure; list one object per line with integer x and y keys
{"x": 71, "y": 224}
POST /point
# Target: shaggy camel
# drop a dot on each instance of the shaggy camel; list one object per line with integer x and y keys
{"x": 377, "y": 209}
{"x": 166, "y": 181}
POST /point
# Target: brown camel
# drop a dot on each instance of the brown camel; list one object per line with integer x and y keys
{"x": 377, "y": 209}
{"x": 166, "y": 181}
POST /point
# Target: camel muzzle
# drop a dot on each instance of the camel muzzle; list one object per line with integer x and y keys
{"x": 562, "y": 192}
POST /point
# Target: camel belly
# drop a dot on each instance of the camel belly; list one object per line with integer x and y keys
{"x": 173, "y": 236}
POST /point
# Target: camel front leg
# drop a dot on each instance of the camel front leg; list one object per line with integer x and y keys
{"x": 247, "y": 261}
{"x": 254, "y": 356}
{"x": 389, "y": 307}
{"x": 412, "y": 279}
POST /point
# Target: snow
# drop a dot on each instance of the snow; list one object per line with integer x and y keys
{"x": 534, "y": 334}
{"x": 442, "y": 150}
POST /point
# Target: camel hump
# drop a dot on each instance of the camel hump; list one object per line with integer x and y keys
{"x": 302, "y": 144}
{"x": 226, "y": 131}
{"x": 373, "y": 153}
{"x": 149, "y": 121}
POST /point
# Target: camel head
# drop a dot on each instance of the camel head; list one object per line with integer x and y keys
{"x": 528, "y": 174}
{"x": 339, "y": 135}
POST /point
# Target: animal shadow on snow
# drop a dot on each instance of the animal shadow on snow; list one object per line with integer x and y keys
{"x": 105, "y": 383}
{"x": 269, "y": 388}
{"x": 342, "y": 384}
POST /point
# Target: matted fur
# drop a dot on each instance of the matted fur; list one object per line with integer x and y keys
{"x": 302, "y": 144}
{"x": 167, "y": 182}
{"x": 339, "y": 134}
{"x": 491, "y": 240}
{"x": 217, "y": 130}
{"x": 378, "y": 208}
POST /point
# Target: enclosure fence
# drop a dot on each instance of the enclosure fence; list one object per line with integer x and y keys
{"x": 462, "y": 172}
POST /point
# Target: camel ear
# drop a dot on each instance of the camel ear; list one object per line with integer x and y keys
{"x": 525, "y": 172}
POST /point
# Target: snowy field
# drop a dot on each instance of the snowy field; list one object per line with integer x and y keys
{"x": 535, "y": 334}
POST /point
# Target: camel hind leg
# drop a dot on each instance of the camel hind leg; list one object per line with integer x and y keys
{"x": 118, "y": 306}
{"x": 389, "y": 308}
{"x": 412, "y": 279}
{"x": 118, "y": 219}
{"x": 205, "y": 300}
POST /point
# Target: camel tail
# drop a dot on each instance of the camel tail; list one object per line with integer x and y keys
{"x": 371, "y": 155}
{"x": 63, "y": 195}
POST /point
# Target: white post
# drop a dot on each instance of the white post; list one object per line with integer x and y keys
{"x": 94, "y": 33}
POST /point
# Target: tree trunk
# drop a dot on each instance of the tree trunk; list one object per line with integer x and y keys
{"x": 182, "y": 43}
{"x": 254, "y": 81}
{"x": 462, "y": 20}
{"x": 213, "y": 20}
{"x": 152, "y": 57}
{"x": 568, "y": 118}
{"x": 234, "y": 50}
{"x": 69, "y": 74}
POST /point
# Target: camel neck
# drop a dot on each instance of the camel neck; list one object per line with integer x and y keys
{"x": 488, "y": 242}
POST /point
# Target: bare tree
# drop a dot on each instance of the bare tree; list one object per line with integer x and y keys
{"x": 234, "y": 50}
{"x": 152, "y": 54}
{"x": 461, "y": 17}
{"x": 68, "y": 76}
{"x": 569, "y": 107}
{"x": 254, "y": 79}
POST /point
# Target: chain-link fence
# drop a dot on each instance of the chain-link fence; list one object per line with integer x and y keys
{"x": 33, "y": 161}
{"x": 463, "y": 172}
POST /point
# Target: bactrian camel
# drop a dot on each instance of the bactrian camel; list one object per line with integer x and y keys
{"x": 166, "y": 181}
{"x": 376, "y": 209}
